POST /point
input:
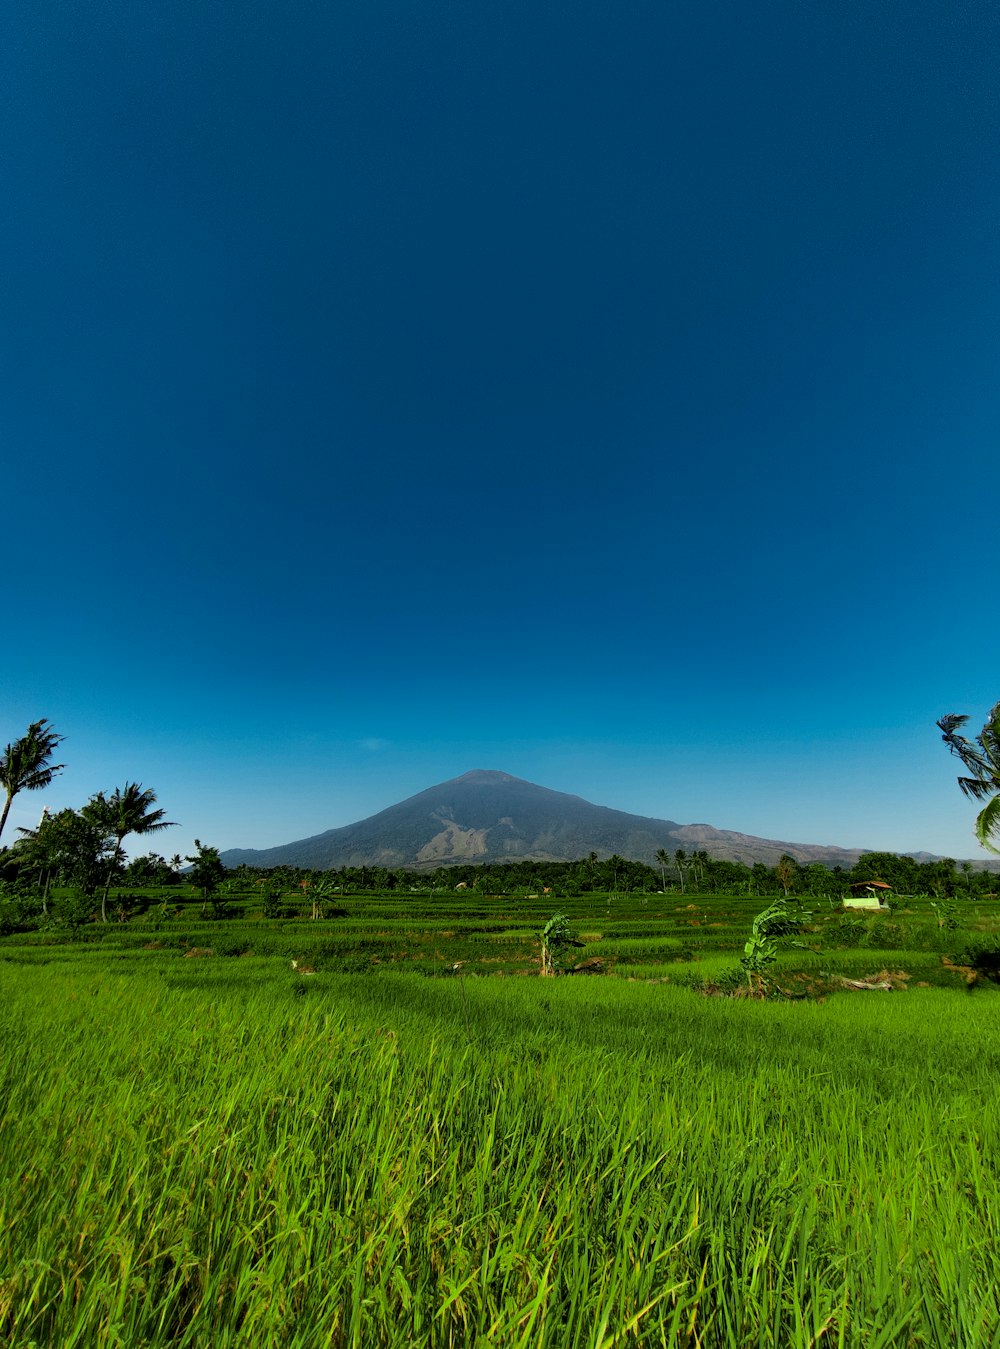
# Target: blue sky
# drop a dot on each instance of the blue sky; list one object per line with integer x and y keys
{"x": 606, "y": 393}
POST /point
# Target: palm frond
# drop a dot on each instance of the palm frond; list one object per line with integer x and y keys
{"x": 950, "y": 724}
{"x": 988, "y": 825}
{"x": 982, "y": 759}
{"x": 39, "y": 778}
{"x": 128, "y": 810}
{"x": 24, "y": 763}
{"x": 963, "y": 748}
{"x": 989, "y": 739}
{"x": 151, "y": 823}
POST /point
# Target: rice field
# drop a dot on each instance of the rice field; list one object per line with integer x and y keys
{"x": 215, "y": 1151}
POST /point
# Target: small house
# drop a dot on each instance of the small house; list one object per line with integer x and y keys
{"x": 868, "y": 895}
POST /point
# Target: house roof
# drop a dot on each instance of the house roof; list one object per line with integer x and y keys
{"x": 870, "y": 885}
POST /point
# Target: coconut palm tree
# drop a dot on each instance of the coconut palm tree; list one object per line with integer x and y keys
{"x": 663, "y": 859}
{"x": 24, "y": 764}
{"x": 127, "y": 811}
{"x": 984, "y": 765}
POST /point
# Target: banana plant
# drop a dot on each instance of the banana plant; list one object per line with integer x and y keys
{"x": 557, "y": 939}
{"x": 761, "y": 951}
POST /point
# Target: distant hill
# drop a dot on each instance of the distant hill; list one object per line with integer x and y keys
{"x": 488, "y": 816}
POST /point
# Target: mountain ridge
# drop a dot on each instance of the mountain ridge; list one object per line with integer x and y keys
{"x": 486, "y": 815}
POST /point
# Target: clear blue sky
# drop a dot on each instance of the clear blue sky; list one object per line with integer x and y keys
{"x": 605, "y": 393}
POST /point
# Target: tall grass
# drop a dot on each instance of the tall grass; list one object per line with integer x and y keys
{"x": 201, "y": 1158}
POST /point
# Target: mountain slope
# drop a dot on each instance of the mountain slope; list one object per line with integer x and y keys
{"x": 488, "y": 816}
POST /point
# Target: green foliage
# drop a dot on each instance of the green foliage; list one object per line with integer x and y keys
{"x": 128, "y": 810}
{"x": 19, "y": 909}
{"x": 152, "y": 869}
{"x": 320, "y": 895}
{"x": 983, "y": 955}
{"x": 881, "y": 935}
{"x": 557, "y": 941}
{"x": 703, "y": 875}
{"x": 25, "y": 763}
{"x": 70, "y": 847}
{"x": 981, "y": 758}
{"x": 947, "y": 914}
{"x": 75, "y": 911}
{"x": 761, "y": 950}
{"x": 207, "y": 873}
{"x": 786, "y": 873}
{"x": 272, "y": 905}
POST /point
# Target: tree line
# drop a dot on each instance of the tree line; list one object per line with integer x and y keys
{"x": 83, "y": 849}
{"x": 694, "y": 873}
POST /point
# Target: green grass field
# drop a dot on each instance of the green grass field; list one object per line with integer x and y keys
{"x": 214, "y": 1151}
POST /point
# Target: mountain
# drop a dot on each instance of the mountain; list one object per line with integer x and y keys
{"x": 487, "y": 816}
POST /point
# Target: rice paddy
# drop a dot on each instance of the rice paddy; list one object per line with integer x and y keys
{"x": 423, "y": 1143}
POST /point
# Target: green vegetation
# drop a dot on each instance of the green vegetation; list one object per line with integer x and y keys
{"x": 207, "y": 874}
{"x": 202, "y": 1146}
{"x": 761, "y": 950}
{"x": 126, "y": 811}
{"x": 982, "y": 759}
{"x": 557, "y": 942}
{"x": 289, "y": 1108}
{"x": 25, "y": 764}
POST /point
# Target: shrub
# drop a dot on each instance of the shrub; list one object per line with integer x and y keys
{"x": 984, "y": 957}
{"x": 76, "y": 911}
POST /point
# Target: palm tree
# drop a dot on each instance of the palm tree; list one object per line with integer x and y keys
{"x": 127, "y": 811}
{"x": 700, "y": 860}
{"x": 663, "y": 859}
{"x": 24, "y": 765}
{"x": 984, "y": 765}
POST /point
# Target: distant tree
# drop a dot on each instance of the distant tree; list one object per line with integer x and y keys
{"x": 663, "y": 859}
{"x": 761, "y": 879}
{"x": 901, "y": 873}
{"x": 680, "y": 857}
{"x": 129, "y": 810}
{"x": 25, "y": 763}
{"x": 30, "y": 856}
{"x": 321, "y": 893}
{"x": 786, "y": 872}
{"x": 982, "y": 758}
{"x": 726, "y": 878}
{"x": 816, "y": 879}
{"x": 615, "y": 865}
{"x": 938, "y": 878}
{"x": 207, "y": 869}
{"x": 70, "y": 847}
{"x": 149, "y": 870}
